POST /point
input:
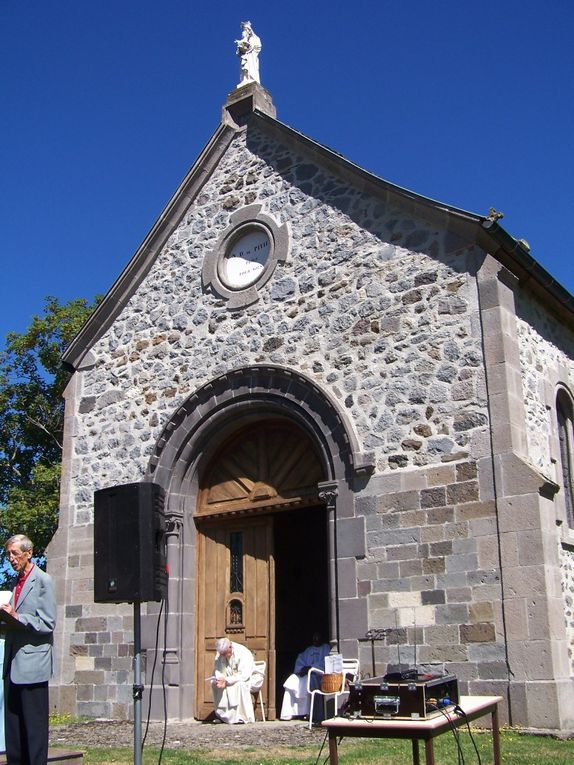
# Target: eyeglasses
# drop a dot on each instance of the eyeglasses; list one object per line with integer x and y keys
{"x": 13, "y": 554}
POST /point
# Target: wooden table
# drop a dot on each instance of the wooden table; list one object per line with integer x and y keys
{"x": 417, "y": 730}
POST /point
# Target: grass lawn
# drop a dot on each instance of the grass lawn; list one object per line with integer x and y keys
{"x": 516, "y": 748}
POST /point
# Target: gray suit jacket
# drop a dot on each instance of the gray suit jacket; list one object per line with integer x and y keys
{"x": 28, "y": 648}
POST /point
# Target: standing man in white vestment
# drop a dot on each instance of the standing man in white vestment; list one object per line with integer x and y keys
{"x": 232, "y": 682}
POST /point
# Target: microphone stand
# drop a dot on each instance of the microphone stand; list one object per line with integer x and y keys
{"x": 373, "y": 636}
{"x": 137, "y": 686}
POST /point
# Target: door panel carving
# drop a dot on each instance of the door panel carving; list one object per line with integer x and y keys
{"x": 263, "y": 468}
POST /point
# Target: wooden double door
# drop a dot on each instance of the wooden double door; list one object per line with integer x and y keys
{"x": 262, "y": 582}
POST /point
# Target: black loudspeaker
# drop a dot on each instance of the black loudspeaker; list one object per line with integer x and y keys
{"x": 130, "y": 561}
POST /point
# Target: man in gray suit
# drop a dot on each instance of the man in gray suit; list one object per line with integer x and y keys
{"x": 29, "y": 619}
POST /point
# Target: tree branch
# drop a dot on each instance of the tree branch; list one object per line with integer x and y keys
{"x": 12, "y": 460}
{"x": 45, "y": 429}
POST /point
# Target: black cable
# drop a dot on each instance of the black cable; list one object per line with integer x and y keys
{"x": 152, "y": 673}
{"x": 454, "y": 733}
{"x": 328, "y": 757}
{"x": 321, "y": 749}
{"x": 164, "y": 692}
{"x": 462, "y": 713}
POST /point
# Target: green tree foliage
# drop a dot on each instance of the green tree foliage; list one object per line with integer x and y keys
{"x": 32, "y": 381}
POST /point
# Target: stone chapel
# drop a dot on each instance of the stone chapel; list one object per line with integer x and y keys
{"x": 360, "y": 405}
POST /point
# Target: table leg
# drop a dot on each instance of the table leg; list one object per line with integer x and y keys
{"x": 429, "y": 752}
{"x": 416, "y": 756}
{"x": 333, "y": 753}
{"x": 495, "y": 736}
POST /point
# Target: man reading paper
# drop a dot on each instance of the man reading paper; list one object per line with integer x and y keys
{"x": 29, "y": 620}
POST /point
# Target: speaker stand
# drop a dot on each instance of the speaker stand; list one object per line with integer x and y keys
{"x": 137, "y": 686}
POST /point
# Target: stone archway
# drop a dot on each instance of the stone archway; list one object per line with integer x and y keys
{"x": 189, "y": 442}
{"x": 246, "y": 394}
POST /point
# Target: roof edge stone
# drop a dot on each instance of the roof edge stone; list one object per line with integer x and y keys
{"x": 141, "y": 262}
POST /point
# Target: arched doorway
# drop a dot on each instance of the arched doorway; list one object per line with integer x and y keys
{"x": 198, "y": 430}
{"x": 262, "y": 551}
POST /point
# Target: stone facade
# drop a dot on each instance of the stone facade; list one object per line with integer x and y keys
{"x": 347, "y": 309}
{"x": 568, "y": 589}
{"x": 547, "y": 359}
{"x": 390, "y": 314}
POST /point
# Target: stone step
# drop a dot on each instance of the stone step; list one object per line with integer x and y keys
{"x": 67, "y": 756}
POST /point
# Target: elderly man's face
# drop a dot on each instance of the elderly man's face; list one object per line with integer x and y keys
{"x": 18, "y": 558}
{"x": 226, "y": 653}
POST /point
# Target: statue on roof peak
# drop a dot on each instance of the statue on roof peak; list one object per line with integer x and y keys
{"x": 248, "y": 48}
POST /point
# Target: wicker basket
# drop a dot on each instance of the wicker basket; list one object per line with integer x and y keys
{"x": 332, "y": 683}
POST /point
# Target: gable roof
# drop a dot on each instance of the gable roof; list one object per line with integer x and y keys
{"x": 243, "y": 114}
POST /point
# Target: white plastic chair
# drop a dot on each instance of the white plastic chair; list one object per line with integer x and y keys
{"x": 349, "y": 674}
{"x": 257, "y": 679}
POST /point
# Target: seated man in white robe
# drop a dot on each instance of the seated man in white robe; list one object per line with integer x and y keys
{"x": 232, "y": 682}
{"x": 296, "y": 700}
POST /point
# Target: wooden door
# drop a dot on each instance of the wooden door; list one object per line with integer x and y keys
{"x": 236, "y": 585}
{"x": 263, "y": 469}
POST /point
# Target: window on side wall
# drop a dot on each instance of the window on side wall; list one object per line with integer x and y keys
{"x": 565, "y": 416}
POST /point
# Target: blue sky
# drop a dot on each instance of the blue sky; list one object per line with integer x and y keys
{"x": 106, "y": 105}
